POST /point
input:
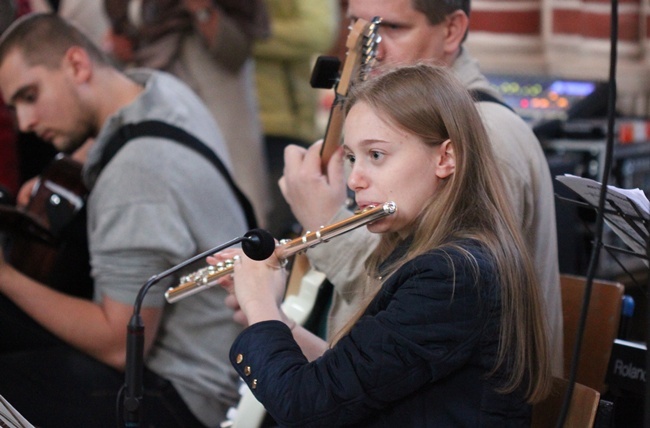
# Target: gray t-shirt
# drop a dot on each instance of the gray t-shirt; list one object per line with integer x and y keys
{"x": 158, "y": 203}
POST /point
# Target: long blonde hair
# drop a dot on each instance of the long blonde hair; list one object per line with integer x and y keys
{"x": 427, "y": 101}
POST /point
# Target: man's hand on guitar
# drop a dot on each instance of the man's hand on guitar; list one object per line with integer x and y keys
{"x": 2, "y": 258}
{"x": 25, "y": 192}
{"x": 314, "y": 197}
{"x": 7, "y": 272}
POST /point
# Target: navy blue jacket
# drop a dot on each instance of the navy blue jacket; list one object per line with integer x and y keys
{"x": 417, "y": 358}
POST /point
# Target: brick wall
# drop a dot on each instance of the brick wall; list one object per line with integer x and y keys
{"x": 569, "y": 38}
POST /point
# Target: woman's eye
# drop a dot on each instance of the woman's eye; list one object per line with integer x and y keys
{"x": 350, "y": 157}
{"x": 375, "y": 155}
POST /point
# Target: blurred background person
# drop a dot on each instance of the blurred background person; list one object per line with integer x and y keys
{"x": 9, "y": 173}
{"x": 88, "y": 15}
{"x": 300, "y": 30}
{"x": 8, "y": 155}
{"x": 208, "y": 44}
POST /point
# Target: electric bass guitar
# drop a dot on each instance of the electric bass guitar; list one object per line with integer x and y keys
{"x": 361, "y": 47}
{"x": 305, "y": 282}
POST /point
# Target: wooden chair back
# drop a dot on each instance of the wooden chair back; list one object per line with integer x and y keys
{"x": 601, "y": 327}
{"x": 581, "y": 412}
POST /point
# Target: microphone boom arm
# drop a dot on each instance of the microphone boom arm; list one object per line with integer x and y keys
{"x": 135, "y": 329}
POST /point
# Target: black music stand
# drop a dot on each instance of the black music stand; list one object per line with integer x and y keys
{"x": 627, "y": 212}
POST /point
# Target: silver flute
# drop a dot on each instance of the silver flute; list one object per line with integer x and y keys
{"x": 208, "y": 277}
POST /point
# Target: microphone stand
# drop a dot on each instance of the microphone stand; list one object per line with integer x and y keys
{"x": 135, "y": 339}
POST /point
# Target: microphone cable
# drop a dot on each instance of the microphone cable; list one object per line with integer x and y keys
{"x": 257, "y": 244}
{"x": 593, "y": 262}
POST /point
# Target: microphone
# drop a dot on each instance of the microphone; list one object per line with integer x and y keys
{"x": 257, "y": 244}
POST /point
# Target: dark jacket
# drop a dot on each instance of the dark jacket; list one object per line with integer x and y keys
{"x": 417, "y": 358}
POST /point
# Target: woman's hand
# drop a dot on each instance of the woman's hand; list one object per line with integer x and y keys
{"x": 227, "y": 283}
{"x": 256, "y": 289}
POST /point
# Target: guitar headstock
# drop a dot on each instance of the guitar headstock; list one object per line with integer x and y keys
{"x": 361, "y": 47}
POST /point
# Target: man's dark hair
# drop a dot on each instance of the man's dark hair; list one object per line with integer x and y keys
{"x": 44, "y": 38}
{"x": 7, "y": 14}
{"x": 437, "y": 10}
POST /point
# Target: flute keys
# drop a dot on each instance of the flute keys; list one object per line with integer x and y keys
{"x": 207, "y": 277}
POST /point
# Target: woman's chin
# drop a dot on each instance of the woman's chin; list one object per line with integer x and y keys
{"x": 379, "y": 226}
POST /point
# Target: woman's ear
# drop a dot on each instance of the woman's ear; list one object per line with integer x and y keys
{"x": 446, "y": 164}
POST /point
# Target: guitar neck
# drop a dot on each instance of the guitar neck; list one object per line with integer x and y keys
{"x": 331, "y": 142}
{"x": 333, "y": 133}
{"x": 351, "y": 67}
{"x": 361, "y": 44}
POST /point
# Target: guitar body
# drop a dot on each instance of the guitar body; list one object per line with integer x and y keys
{"x": 58, "y": 195}
{"x": 53, "y": 222}
{"x": 305, "y": 283}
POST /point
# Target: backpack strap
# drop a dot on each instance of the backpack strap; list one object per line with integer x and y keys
{"x": 155, "y": 128}
{"x": 481, "y": 96}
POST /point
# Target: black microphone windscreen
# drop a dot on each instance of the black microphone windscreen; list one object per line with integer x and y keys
{"x": 259, "y": 244}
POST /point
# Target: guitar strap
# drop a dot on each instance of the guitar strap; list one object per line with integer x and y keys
{"x": 481, "y": 96}
{"x": 155, "y": 128}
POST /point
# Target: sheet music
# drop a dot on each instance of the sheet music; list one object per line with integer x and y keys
{"x": 10, "y": 418}
{"x": 632, "y": 206}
